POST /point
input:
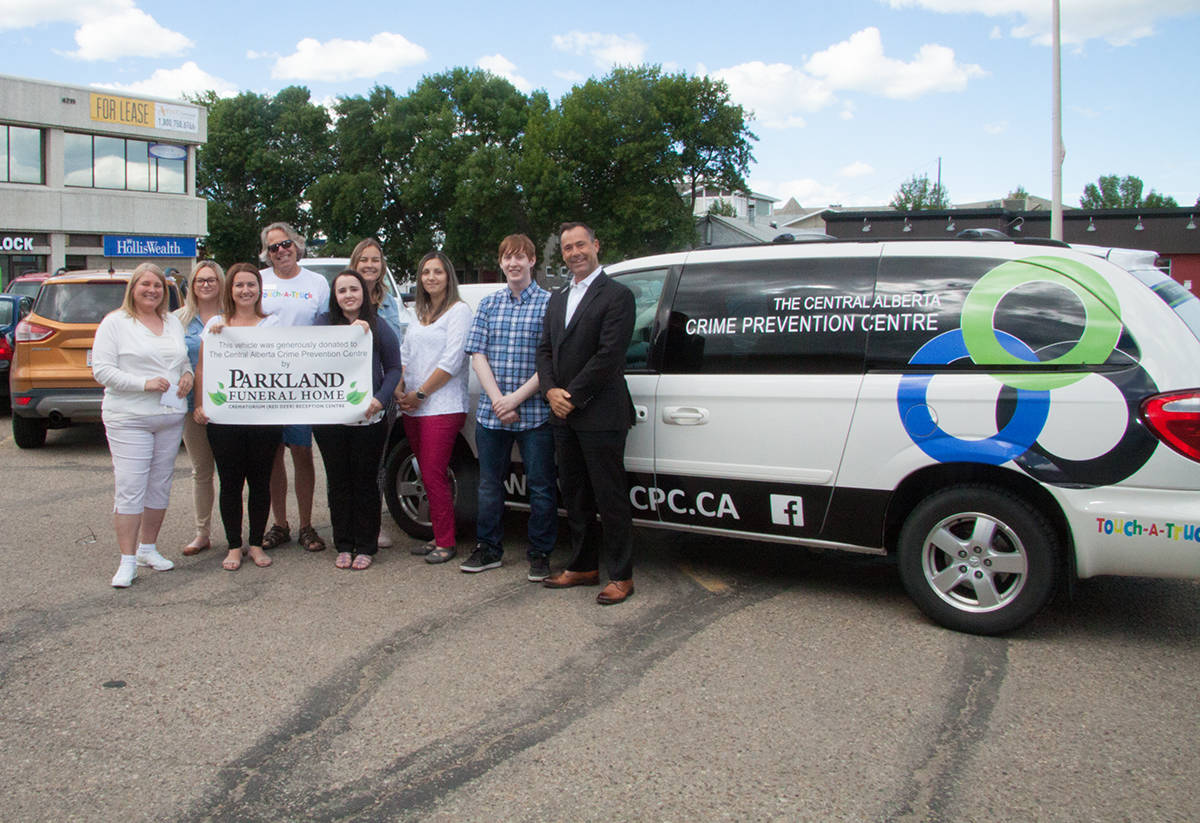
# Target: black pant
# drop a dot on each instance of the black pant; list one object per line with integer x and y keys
{"x": 244, "y": 455}
{"x": 351, "y": 456}
{"x": 591, "y": 471}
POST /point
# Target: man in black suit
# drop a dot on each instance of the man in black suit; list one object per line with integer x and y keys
{"x": 581, "y": 365}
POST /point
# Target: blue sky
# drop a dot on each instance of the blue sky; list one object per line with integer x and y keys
{"x": 850, "y": 98}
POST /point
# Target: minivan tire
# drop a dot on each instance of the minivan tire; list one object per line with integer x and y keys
{"x": 978, "y": 559}
{"x": 28, "y": 432}
{"x": 405, "y": 496}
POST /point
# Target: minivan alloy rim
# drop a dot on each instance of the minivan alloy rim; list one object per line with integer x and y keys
{"x": 974, "y": 562}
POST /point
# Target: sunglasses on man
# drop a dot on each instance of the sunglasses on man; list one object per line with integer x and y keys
{"x": 282, "y": 244}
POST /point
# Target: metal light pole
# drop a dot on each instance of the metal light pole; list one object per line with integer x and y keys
{"x": 1057, "y": 150}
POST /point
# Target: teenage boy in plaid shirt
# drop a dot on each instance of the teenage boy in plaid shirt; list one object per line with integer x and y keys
{"x": 503, "y": 345}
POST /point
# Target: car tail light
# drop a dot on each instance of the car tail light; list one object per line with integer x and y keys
{"x": 29, "y": 332}
{"x": 1174, "y": 418}
{"x": 6, "y": 351}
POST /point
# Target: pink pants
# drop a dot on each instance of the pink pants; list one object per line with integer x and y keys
{"x": 432, "y": 440}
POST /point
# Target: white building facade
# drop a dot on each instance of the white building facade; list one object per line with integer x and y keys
{"x": 91, "y": 179}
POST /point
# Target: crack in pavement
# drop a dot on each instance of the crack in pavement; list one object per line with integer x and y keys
{"x": 256, "y": 785}
{"x": 936, "y": 781}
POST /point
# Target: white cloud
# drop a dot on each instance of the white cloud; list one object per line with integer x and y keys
{"x": 1120, "y": 22}
{"x": 251, "y": 54}
{"x": 775, "y": 92}
{"x": 339, "y": 59}
{"x": 173, "y": 84}
{"x": 605, "y": 49}
{"x": 809, "y": 193}
{"x": 856, "y": 169}
{"x": 129, "y": 33}
{"x": 860, "y": 64}
{"x": 501, "y": 66}
{"x": 20, "y": 14}
{"x": 998, "y": 127}
{"x": 106, "y": 28}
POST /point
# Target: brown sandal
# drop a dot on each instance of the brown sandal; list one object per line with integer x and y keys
{"x": 310, "y": 540}
{"x": 277, "y": 535}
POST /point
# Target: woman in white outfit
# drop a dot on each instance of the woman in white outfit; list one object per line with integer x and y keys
{"x": 140, "y": 358}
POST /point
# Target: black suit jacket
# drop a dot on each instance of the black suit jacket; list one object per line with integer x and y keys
{"x": 587, "y": 358}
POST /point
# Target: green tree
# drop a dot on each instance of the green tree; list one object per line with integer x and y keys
{"x": 917, "y": 194}
{"x": 261, "y": 156}
{"x": 1113, "y": 192}
{"x": 613, "y": 140}
{"x": 1018, "y": 193}
{"x": 708, "y": 132}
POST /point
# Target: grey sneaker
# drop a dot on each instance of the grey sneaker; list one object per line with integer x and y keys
{"x": 481, "y": 560}
{"x": 539, "y": 569}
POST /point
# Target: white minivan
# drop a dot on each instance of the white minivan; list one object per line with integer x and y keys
{"x": 998, "y": 415}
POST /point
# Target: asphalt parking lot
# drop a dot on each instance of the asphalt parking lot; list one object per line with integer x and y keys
{"x": 743, "y": 681}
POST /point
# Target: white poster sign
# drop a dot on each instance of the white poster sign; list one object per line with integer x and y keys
{"x": 281, "y": 376}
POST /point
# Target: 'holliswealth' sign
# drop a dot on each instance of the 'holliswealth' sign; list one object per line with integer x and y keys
{"x": 279, "y": 376}
{"x": 117, "y": 245}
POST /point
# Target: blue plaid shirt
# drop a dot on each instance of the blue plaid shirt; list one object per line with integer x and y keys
{"x": 507, "y": 330}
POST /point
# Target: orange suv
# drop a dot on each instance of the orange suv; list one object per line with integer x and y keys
{"x": 51, "y": 377}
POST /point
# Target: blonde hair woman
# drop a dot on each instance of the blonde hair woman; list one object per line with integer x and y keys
{"x": 140, "y": 358}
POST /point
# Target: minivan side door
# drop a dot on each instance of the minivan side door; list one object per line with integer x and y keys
{"x": 762, "y": 367}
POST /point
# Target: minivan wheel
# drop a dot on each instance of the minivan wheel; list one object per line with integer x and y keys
{"x": 28, "y": 432}
{"x": 404, "y": 492}
{"x": 978, "y": 559}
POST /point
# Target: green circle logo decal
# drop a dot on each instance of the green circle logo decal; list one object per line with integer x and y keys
{"x": 1101, "y": 331}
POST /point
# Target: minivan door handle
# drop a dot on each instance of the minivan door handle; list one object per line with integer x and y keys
{"x": 684, "y": 415}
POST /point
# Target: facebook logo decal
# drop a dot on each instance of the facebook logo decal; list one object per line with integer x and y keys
{"x": 787, "y": 511}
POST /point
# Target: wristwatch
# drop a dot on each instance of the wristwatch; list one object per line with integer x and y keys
{"x": 421, "y": 395}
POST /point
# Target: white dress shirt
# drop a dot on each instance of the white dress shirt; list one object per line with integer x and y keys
{"x": 576, "y": 293}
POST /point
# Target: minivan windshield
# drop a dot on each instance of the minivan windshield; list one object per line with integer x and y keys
{"x": 1182, "y": 302}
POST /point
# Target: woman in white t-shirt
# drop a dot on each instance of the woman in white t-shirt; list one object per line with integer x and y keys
{"x": 433, "y": 395}
{"x": 245, "y": 454}
{"x": 140, "y": 358}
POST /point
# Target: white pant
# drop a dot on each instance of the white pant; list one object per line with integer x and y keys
{"x": 143, "y": 454}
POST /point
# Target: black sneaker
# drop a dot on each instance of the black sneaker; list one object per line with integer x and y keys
{"x": 481, "y": 560}
{"x": 539, "y": 569}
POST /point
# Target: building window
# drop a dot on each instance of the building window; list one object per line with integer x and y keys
{"x": 100, "y": 162}
{"x": 20, "y": 155}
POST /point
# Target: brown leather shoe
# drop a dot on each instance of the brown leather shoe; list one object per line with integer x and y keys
{"x": 566, "y": 578}
{"x": 616, "y": 591}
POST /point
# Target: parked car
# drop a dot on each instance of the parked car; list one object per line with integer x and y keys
{"x": 52, "y": 383}
{"x": 12, "y": 308}
{"x": 998, "y": 416}
{"x": 27, "y": 284}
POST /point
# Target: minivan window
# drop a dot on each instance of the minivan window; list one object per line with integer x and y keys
{"x": 647, "y": 287}
{"x": 1172, "y": 292}
{"x": 770, "y": 317}
{"x": 1033, "y": 313}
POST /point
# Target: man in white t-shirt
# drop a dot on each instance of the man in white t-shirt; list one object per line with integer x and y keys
{"x": 296, "y": 296}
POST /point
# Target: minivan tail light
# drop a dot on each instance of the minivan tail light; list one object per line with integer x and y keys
{"x": 29, "y": 332}
{"x": 6, "y": 350}
{"x": 1174, "y": 418}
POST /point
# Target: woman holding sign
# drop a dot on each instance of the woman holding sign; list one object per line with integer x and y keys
{"x": 245, "y": 454}
{"x": 434, "y": 400}
{"x": 141, "y": 360}
{"x": 351, "y": 451}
